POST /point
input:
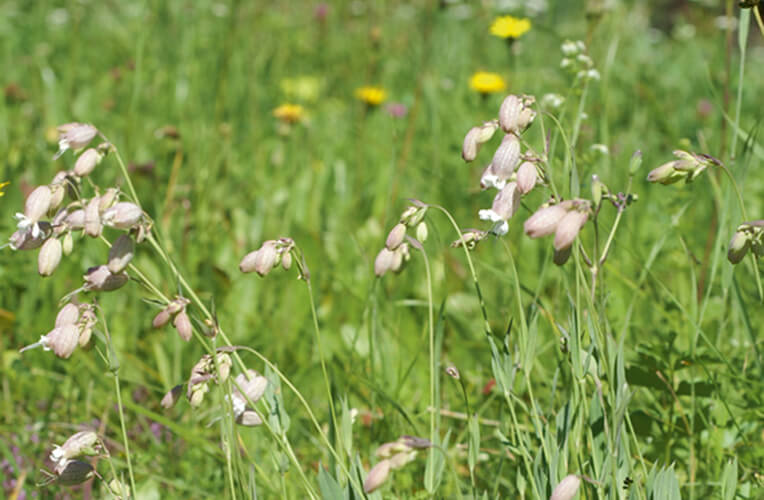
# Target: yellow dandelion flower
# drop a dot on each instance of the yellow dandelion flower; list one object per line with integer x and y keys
{"x": 510, "y": 27}
{"x": 487, "y": 83}
{"x": 372, "y": 96}
{"x": 2, "y": 185}
{"x": 289, "y": 113}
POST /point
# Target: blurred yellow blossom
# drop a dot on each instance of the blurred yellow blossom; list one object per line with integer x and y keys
{"x": 289, "y": 113}
{"x": 510, "y": 27}
{"x": 2, "y": 185}
{"x": 301, "y": 88}
{"x": 487, "y": 83}
{"x": 373, "y": 96}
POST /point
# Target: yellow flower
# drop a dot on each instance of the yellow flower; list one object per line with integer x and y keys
{"x": 2, "y": 185}
{"x": 487, "y": 83}
{"x": 289, "y": 113}
{"x": 301, "y": 88}
{"x": 373, "y": 96}
{"x": 510, "y": 27}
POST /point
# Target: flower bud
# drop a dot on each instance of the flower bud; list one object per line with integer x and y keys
{"x": 396, "y": 236}
{"x": 250, "y": 386}
{"x": 68, "y": 315}
{"x": 72, "y": 472}
{"x": 49, "y": 257}
{"x": 76, "y": 219}
{"x": 62, "y": 340}
{"x": 377, "y": 476}
{"x": 475, "y": 138}
{"x": 506, "y": 202}
{"x": 172, "y": 396}
{"x": 413, "y": 215}
{"x": 568, "y": 228}
{"x": 384, "y": 261}
{"x": 123, "y": 215}
{"x": 400, "y": 255}
{"x": 635, "y": 163}
{"x": 516, "y": 113}
{"x": 526, "y": 177}
{"x": 100, "y": 279}
{"x": 422, "y": 232}
{"x": 106, "y": 200}
{"x": 667, "y": 173}
{"x": 567, "y": 488}
{"x": 93, "y": 225}
{"x": 598, "y": 189}
{"x": 67, "y": 244}
{"x": 75, "y": 136}
{"x": 470, "y": 146}
{"x": 121, "y": 253}
{"x": 506, "y": 158}
{"x": 87, "y": 162}
{"x": 400, "y": 459}
{"x": 182, "y": 323}
{"x": 58, "y": 189}
{"x": 162, "y": 318}
{"x": 286, "y": 261}
{"x": 37, "y": 203}
{"x": 738, "y": 247}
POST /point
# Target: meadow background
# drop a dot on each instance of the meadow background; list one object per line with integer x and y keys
{"x": 673, "y": 317}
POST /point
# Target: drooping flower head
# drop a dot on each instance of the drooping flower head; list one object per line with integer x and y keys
{"x": 509, "y": 27}
{"x": 486, "y": 82}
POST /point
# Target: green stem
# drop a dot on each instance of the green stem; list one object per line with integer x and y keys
{"x": 483, "y": 309}
{"x": 323, "y": 362}
{"x": 124, "y": 431}
{"x": 431, "y": 334}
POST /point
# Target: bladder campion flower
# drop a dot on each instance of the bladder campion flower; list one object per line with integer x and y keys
{"x": 371, "y": 96}
{"x": 485, "y": 82}
{"x": 290, "y": 113}
{"x": 509, "y": 27}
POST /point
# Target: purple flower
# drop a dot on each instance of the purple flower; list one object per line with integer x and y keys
{"x": 397, "y": 109}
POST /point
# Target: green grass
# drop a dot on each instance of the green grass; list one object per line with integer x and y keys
{"x": 658, "y": 378}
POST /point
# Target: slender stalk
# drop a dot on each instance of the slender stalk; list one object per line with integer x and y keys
{"x": 125, "y": 440}
{"x": 431, "y": 335}
{"x": 323, "y": 361}
{"x": 483, "y": 309}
